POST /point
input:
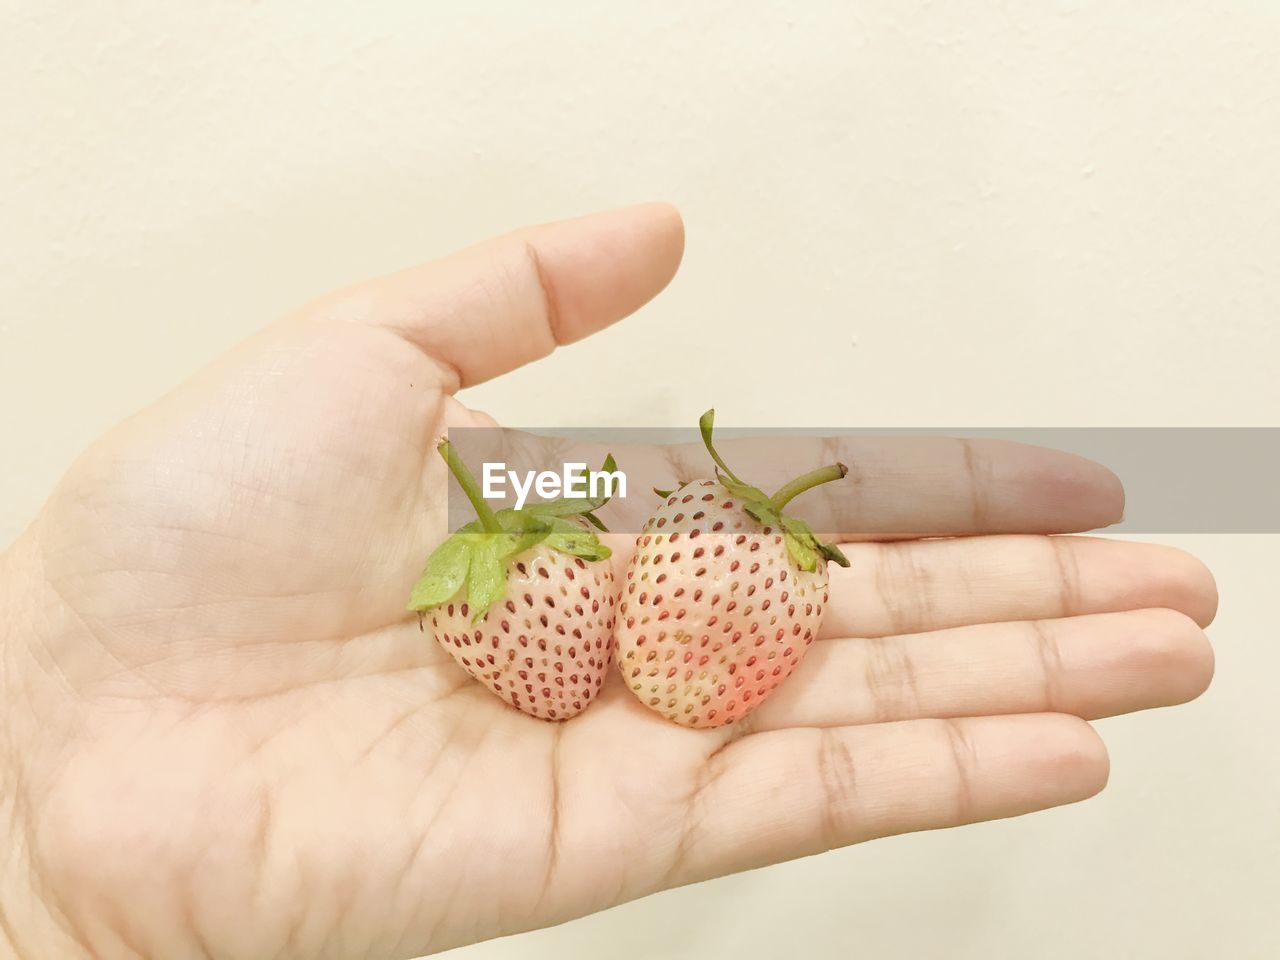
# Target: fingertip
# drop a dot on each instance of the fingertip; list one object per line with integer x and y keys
{"x": 662, "y": 228}
{"x": 1111, "y": 495}
{"x": 1194, "y": 664}
{"x": 665, "y": 216}
{"x": 1095, "y": 488}
{"x": 1093, "y": 759}
{"x": 599, "y": 268}
{"x": 1044, "y": 759}
{"x": 1175, "y": 579}
{"x": 1072, "y": 493}
{"x": 1192, "y": 580}
{"x": 1076, "y": 756}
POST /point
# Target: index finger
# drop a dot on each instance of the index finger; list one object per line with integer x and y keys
{"x": 899, "y": 487}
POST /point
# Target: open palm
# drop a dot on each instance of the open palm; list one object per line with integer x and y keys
{"x": 224, "y": 736}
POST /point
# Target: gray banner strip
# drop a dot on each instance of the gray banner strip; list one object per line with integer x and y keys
{"x": 1176, "y": 479}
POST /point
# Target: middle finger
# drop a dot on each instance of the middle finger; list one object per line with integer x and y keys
{"x": 912, "y": 586}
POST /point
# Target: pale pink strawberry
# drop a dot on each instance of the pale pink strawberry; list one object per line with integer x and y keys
{"x": 723, "y": 597}
{"x": 523, "y": 600}
{"x": 546, "y": 647}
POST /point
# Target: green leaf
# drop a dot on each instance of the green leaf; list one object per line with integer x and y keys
{"x": 743, "y": 491}
{"x": 564, "y": 507}
{"x": 509, "y": 544}
{"x": 595, "y": 521}
{"x": 566, "y": 534}
{"x": 807, "y": 539}
{"x": 833, "y": 553}
{"x": 574, "y": 506}
{"x": 444, "y": 574}
{"x": 795, "y": 525}
{"x": 580, "y": 543}
{"x": 763, "y": 512}
{"x": 802, "y": 555}
{"x": 664, "y": 494}
{"x": 513, "y": 521}
{"x": 565, "y": 525}
{"x": 486, "y": 578}
{"x": 520, "y": 531}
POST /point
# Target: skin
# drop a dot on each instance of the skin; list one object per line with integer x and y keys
{"x": 223, "y": 737}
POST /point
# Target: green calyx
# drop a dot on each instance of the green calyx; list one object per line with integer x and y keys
{"x": 476, "y": 556}
{"x": 803, "y": 545}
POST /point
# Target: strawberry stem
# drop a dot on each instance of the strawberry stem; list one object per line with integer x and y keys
{"x": 706, "y": 423}
{"x": 807, "y": 481}
{"x": 466, "y": 480}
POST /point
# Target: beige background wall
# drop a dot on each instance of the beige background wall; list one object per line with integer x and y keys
{"x": 1061, "y": 213}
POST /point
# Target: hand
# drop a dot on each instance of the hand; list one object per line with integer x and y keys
{"x": 223, "y": 736}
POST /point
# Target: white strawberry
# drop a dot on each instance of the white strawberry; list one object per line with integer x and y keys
{"x": 523, "y": 600}
{"x": 723, "y": 597}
